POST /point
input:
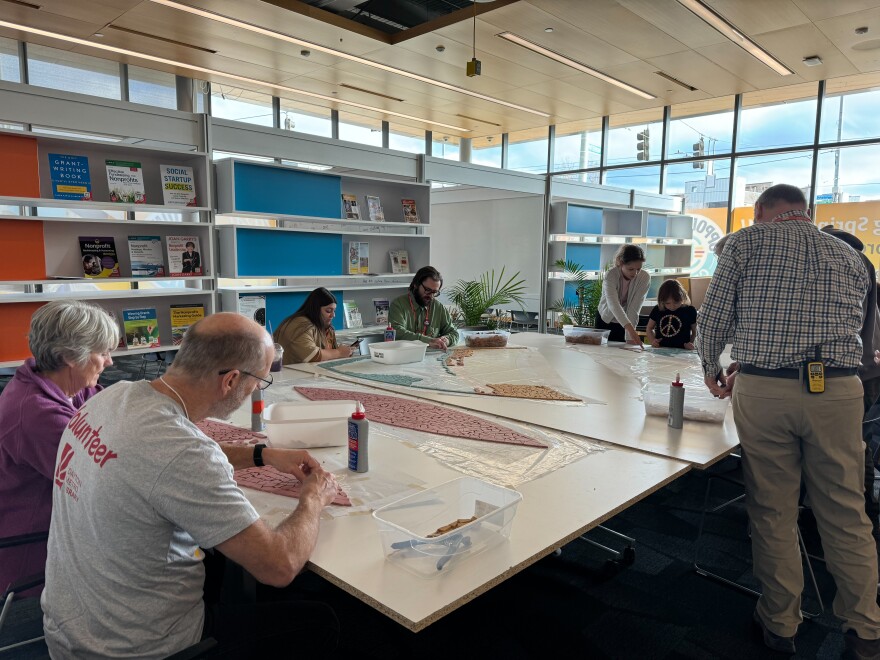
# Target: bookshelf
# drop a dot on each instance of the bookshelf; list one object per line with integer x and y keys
{"x": 41, "y": 236}
{"x": 287, "y": 226}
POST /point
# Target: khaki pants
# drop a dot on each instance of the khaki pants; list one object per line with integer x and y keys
{"x": 786, "y": 434}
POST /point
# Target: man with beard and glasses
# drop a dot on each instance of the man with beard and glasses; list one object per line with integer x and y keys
{"x": 140, "y": 490}
{"x": 418, "y": 315}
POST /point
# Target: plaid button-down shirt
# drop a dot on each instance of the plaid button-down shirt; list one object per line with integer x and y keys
{"x": 782, "y": 290}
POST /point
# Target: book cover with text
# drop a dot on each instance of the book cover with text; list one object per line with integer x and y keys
{"x": 125, "y": 179}
{"x": 410, "y": 212}
{"x": 381, "y": 305}
{"x": 99, "y": 256}
{"x": 183, "y": 316}
{"x": 399, "y": 261}
{"x": 350, "y": 210}
{"x": 184, "y": 257}
{"x": 146, "y": 256}
{"x": 178, "y": 185}
{"x": 141, "y": 327}
{"x": 253, "y": 307}
{"x": 70, "y": 177}
{"x": 374, "y": 208}
{"x": 352, "y": 314}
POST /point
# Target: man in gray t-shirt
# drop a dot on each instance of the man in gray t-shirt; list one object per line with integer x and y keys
{"x": 140, "y": 490}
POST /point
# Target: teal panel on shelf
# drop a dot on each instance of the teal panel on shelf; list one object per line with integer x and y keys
{"x": 588, "y": 256}
{"x": 656, "y": 225}
{"x": 570, "y": 294}
{"x": 268, "y": 189}
{"x": 270, "y": 253}
{"x": 284, "y": 303}
{"x": 583, "y": 220}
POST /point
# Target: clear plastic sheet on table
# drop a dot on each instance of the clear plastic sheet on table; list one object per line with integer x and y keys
{"x": 699, "y": 403}
{"x": 501, "y": 464}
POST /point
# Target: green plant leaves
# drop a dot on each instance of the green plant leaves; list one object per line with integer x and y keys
{"x": 473, "y": 298}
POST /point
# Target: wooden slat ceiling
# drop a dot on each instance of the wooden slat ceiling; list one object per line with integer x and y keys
{"x": 628, "y": 39}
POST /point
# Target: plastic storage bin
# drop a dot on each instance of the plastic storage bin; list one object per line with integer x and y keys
{"x": 404, "y": 525}
{"x": 398, "y": 352}
{"x": 305, "y": 424}
{"x": 576, "y": 335}
{"x": 699, "y": 404}
{"x": 485, "y": 338}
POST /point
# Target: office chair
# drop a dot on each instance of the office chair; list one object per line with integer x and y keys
{"x": 21, "y": 585}
{"x": 734, "y": 477}
{"x": 152, "y": 361}
{"x": 523, "y": 320}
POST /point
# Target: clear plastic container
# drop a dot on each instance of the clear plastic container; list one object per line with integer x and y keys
{"x": 398, "y": 352}
{"x": 485, "y": 338}
{"x": 699, "y": 404}
{"x": 404, "y": 525}
{"x": 306, "y": 424}
{"x": 577, "y": 335}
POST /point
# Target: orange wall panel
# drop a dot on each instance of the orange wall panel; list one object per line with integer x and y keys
{"x": 23, "y": 255}
{"x": 15, "y": 321}
{"x": 19, "y": 166}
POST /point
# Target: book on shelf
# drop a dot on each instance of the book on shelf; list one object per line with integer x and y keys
{"x": 125, "y": 179}
{"x": 183, "y": 316}
{"x": 253, "y": 307}
{"x": 358, "y": 258}
{"x": 99, "y": 256}
{"x": 399, "y": 261}
{"x": 381, "y": 305}
{"x": 141, "y": 327}
{"x": 350, "y": 208}
{"x": 146, "y": 256}
{"x": 19, "y": 166}
{"x": 70, "y": 177}
{"x": 178, "y": 185}
{"x": 119, "y": 327}
{"x": 374, "y": 209}
{"x": 184, "y": 257}
{"x": 410, "y": 212}
{"x": 352, "y": 314}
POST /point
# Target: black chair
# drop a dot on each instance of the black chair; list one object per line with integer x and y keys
{"x": 21, "y": 585}
{"x": 154, "y": 362}
{"x": 734, "y": 477}
{"x": 523, "y": 321}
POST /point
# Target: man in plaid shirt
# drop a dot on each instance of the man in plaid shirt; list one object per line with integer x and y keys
{"x": 785, "y": 294}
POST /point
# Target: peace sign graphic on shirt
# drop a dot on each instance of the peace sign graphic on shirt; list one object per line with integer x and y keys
{"x": 670, "y": 325}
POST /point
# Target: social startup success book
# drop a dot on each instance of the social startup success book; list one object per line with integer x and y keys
{"x": 178, "y": 185}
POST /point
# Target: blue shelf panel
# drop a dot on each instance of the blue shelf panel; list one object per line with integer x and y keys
{"x": 570, "y": 294}
{"x": 269, "y": 189}
{"x": 583, "y": 220}
{"x": 264, "y": 253}
{"x": 281, "y": 305}
{"x": 656, "y": 225}
{"x": 588, "y": 256}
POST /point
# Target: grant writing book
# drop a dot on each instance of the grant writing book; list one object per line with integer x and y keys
{"x": 70, "y": 177}
{"x": 146, "y": 256}
{"x": 184, "y": 257}
{"x": 141, "y": 327}
{"x": 183, "y": 316}
{"x": 125, "y": 179}
{"x": 99, "y": 256}
{"x": 178, "y": 185}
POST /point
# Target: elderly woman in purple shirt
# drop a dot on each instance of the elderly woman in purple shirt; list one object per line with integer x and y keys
{"x": 71, "y": 343}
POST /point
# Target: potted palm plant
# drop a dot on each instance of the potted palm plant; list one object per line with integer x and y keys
{"x": 474, "y": 298}
{"x": 581, "y": 312}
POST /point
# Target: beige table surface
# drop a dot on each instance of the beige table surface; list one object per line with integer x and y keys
{"x": 555, "y": 509}
{"x": 620, "y": 419}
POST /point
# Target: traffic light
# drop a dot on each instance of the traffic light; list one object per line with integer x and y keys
{"x": 643, "y": 146}
{"x": 699, "y": 150}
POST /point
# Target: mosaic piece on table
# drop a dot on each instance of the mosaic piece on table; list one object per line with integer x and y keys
{"x": 270, "y": 480}
{"x": 420, "y": 416}
{"x": 223, "y": 432}
{"x": 525, "y": 392}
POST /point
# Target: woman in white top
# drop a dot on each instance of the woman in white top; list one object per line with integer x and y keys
{"x": 623, "y": 294}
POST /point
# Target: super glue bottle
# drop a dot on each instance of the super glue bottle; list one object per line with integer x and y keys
{"x": 676, "y": 403}
{"x": 358, "y": 432}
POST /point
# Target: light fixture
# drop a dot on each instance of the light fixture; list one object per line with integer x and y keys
{"x": 574, "y": 64}
{"x": 220, "y": 74}
{"x": 812, "y": 60}
{"x": 733, "y": 33}
{"x": 548, "y": 30}
{"x": 220, "y": 18}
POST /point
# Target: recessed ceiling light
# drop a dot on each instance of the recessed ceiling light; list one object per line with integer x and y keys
{"x": 98, "y": 34}
{"x": 580, "y": 66}
{"x": 220, "y": 74}
{"x": 220, "y": 18}
{"x": 548, "y": 29}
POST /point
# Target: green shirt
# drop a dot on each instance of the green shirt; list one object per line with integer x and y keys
{"x": 407, "y": 317}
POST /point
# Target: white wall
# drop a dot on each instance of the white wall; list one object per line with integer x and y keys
{"x": 474, "y": 230}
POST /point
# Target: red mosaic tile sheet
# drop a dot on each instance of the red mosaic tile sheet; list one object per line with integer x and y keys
{"x": 428, "y": 417}
{"x": 267, "y": 478}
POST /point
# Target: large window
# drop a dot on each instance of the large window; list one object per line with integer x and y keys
{"x": 72, "y": 72}
{"x": 10, "y": 70}
{"x": 577, "y": 145}
{"x": 306, "y": 118}
{"x": 700, "y": 128}
{"x": 241, "y": 105}
{"x": 406, "y": 138}
{"x": 781, "y": 117}
{"x": 360, "y": 129}
{"x": 635, "y": 136}
{"x": 700, "y": 188}
{"x": 152, "y": 87}
{"x": 849, "y": 111}
{"x": 644, "y": 179}
{"x": 754, "y": 174}
{"x": 848, "y": 175}
{"x": 446, "y": 146}
{"x": 486, "y": 150}
{"x": 527, "y": 150}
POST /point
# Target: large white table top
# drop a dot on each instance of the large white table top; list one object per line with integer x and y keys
{"x": 621, "y": 420}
